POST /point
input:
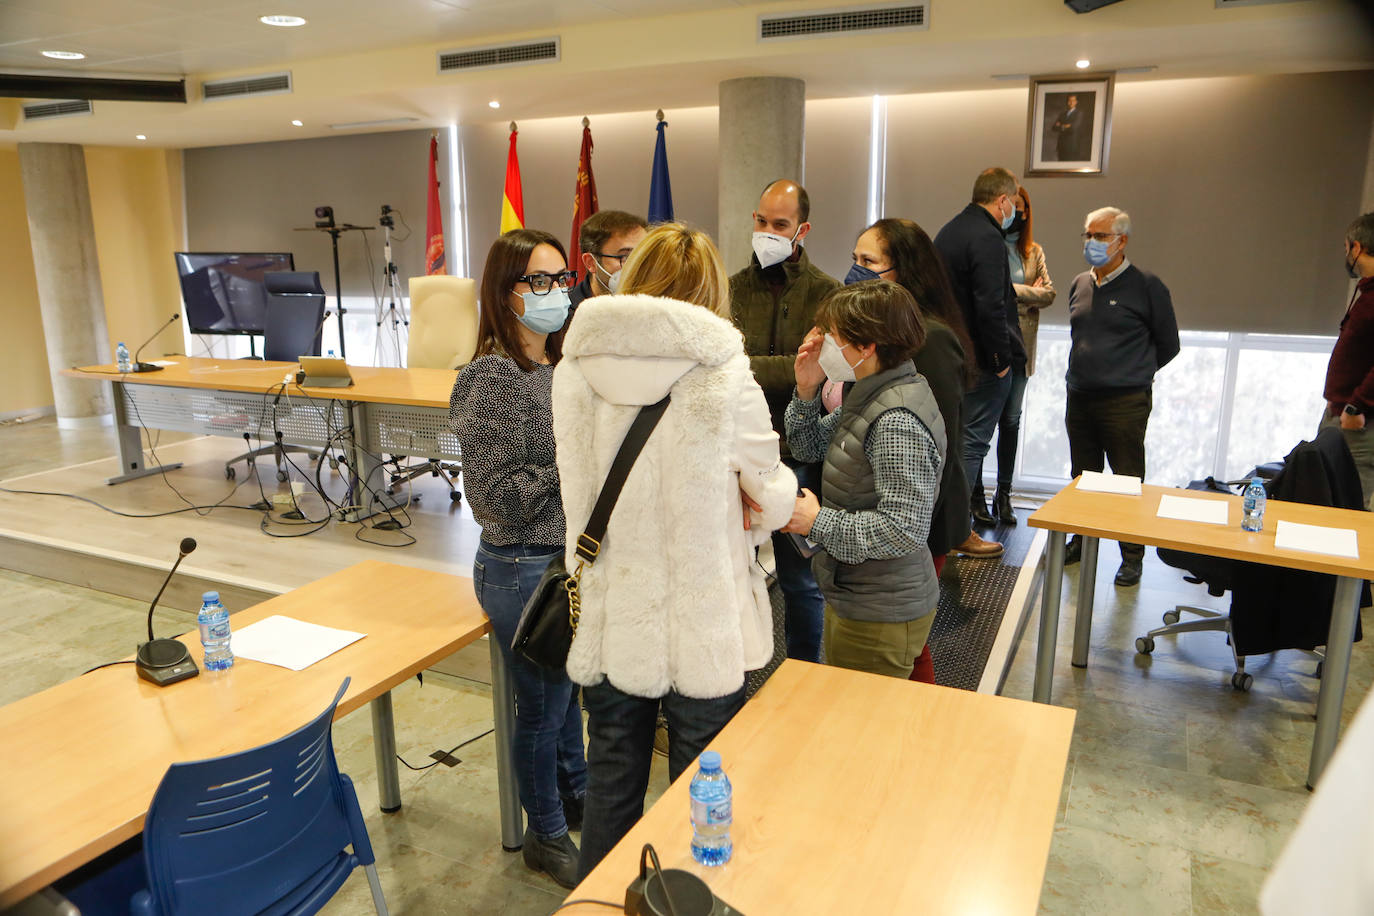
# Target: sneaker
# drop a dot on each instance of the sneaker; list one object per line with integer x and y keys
{"x": 974, "y": 546}
{"x": 557, "y": 857}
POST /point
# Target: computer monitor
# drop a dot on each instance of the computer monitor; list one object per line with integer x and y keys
{"x": 224, "y": 292}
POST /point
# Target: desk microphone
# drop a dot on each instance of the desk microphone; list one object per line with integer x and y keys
{"x": 151, "y": 367}
{"x": 166, "y": 661}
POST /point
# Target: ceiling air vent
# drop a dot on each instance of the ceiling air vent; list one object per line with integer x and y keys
{"x": 63, "y": 108}
{"x": 887, "y": 17}
{"x": 270, "y": 84}
{"x": 512, "y": 55}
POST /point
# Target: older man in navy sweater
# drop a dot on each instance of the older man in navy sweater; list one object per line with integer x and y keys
{"x": 1123, "y": 331}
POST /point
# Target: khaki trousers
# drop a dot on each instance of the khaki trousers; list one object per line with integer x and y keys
{"x": 889, "y": 649}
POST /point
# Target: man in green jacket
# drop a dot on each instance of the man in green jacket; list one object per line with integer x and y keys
{"x": 773, "y": 303}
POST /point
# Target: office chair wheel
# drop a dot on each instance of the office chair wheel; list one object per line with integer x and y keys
{"x": 229, "y": 472}
{"x": 282, "y": 475}
{"x": 1242, "y": 680}
{"x": 457, "y": 497}
{"x": 1145, "y": 644}
{"x": 1171, "y": 616}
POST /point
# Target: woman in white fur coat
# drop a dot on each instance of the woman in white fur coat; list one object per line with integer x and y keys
{"x": 675, "y": 610}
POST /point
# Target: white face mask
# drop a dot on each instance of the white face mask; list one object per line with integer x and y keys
{"x": 612, "y": 281}
{"x": 833, "y": 363}
{"x": 773, "y": 249}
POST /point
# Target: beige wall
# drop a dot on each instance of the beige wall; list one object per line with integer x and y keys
{"x": 26, "y": 383}
{"x": 136, "y": 205}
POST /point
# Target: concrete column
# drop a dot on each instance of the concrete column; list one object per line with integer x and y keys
{"x": 58, "y": 201}
{"x": 762, "y": 137}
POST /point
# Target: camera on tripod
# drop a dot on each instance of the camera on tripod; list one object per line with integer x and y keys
{"x": 324, "y": 217}
{"x": 387, "y": 219}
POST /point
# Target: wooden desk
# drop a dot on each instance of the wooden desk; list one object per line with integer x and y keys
{"x": 385, "y": 411}
{"x": 855, "y": 793}
{"x": 82, "y": 760}
{"x": 1134, "y": 519}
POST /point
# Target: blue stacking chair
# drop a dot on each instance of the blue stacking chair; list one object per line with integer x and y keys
{"x": 263, "y": 831}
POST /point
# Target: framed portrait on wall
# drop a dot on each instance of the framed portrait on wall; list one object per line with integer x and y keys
{"x": 1069, "y": 124}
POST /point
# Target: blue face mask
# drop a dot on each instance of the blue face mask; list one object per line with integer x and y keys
{"x": 1095, "y": 252}
{"x": 547, "y": 313}
{"x": 1008, "y": 220}
{"x": 858, "y": 273}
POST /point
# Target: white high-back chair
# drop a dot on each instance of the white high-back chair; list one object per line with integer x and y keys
{"x": 443, "y": 322}
{"x": 443, "y": 335}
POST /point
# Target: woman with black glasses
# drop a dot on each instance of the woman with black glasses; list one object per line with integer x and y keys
{"x": 500, "y": 411}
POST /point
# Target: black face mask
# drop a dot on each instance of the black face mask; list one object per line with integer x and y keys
{"x": 1350, "y": 267}
{"x": 1018, "y": 222}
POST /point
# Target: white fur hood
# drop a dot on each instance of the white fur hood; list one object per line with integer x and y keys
{"x": 631, "y": 349}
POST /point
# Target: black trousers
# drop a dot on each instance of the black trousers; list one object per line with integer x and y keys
{"x": 1111, "y": 426}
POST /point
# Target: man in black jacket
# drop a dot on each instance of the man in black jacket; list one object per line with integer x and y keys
{"x": 1123, "y": 331}
{"x": 976, "y": 255}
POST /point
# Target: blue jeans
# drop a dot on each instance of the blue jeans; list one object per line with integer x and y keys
{"x": 982, "y": 409}
{"x": 549, "y": 761}
{"x": 1009, "y": 428}
{"x": 805, "y": 606}
{"x": 620, "y": 732}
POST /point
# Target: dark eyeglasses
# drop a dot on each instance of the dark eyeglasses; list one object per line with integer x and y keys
{"x": 1100, "y": 236}
{"x": 541, "y": 284}
{"x": 619, "y": 257}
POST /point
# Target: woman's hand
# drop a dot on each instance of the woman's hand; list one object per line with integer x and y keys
{"x": 803, "y": 514}
{"x": 810, "y": 375}
{"x": 748, "y": 504}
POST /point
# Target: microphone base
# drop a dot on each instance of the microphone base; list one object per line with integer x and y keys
{"x": 165, "y": 661}
{"x": 146, "y": 367}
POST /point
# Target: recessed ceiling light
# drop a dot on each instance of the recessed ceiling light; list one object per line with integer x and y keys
{"x": 493, "y": 104}
{"x": 65, "y": 55}
{"x": 286, "y": 22}
{"x": 1083, "y": 63}
{"x": 140, "y": 136}
{"x": 295, "y": 123}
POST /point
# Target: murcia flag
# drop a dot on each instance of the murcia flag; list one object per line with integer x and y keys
{"x": 584, "y": 194}
{"x": 512, "y": 201}
{"x": 434, "y": 218}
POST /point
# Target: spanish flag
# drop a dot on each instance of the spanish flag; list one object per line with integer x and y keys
{"x": 512, "y": 201}
{"x": 434, "y": 217}
{"x": 584, "y": 192}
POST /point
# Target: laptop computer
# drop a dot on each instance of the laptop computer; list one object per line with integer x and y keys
{"x": 325, "y": 372}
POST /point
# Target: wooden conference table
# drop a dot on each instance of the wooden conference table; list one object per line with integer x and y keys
{"x": 1133, "y": 519}
{"x": 855, "y": 793}
{"x": 82, "y": 760}
{"x": 385, "y": 411}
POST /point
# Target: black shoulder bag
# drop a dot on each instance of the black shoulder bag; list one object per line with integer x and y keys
{"x": 549, "y": 621}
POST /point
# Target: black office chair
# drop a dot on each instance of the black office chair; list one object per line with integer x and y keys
{"x": 292, "y": 328}
{"x": 1272, "y": 608}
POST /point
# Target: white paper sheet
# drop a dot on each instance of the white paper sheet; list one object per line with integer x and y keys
{"x": 1338, "y": 542}
{"x": 1188, "y": 509}
{"x": 289, "y": 643}
{"x": 164, "y": 362}
{"x": 1097, "y": 482}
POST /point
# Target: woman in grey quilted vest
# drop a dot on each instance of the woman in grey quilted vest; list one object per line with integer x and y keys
{"x": 883, "y": 451}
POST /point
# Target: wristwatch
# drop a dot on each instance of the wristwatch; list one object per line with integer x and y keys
{"x": 1352, "y": 410}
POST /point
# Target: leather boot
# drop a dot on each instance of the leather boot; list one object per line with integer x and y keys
{"x": 978, "y": 506}
{"x": 1001, "y": 505}
{"x": 556, "y": 857}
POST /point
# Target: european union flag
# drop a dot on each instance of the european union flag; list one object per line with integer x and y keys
{"x": 660, "y": 187}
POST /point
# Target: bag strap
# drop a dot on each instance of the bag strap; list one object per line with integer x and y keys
{"x": 589, "y": 541}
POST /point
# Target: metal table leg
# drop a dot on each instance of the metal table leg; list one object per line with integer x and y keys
{"x": 384, "y": 740}
{"x": 1049, "y": 618}
{"x": 368, "y": 478}
{"x": 1083, "y": 613}
{"x": 503, "y": 715}
{"x": 130, "y": 436}
{"x": 1345, "y": 610}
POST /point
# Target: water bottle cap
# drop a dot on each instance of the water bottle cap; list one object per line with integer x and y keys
{"x": 210, "y": 598}
{"x": 120, "y": 344}
{"x": 710, "y": 760}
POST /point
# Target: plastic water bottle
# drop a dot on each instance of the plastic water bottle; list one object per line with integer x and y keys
{"x": 331, "y": 355}
{"x": 214, "y": 632}
{"x": 122, "y": 360}
{"x": 711, "y": 812}
{"x": 1252, "y": 503}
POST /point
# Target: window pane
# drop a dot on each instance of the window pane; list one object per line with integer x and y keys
{"x": 1044, "y": 444}
{"x": 1181, "y": 443}
{"x": 1278, "y": 403}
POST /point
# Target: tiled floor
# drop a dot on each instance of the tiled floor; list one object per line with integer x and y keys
{"x": 1178, "y": 795}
